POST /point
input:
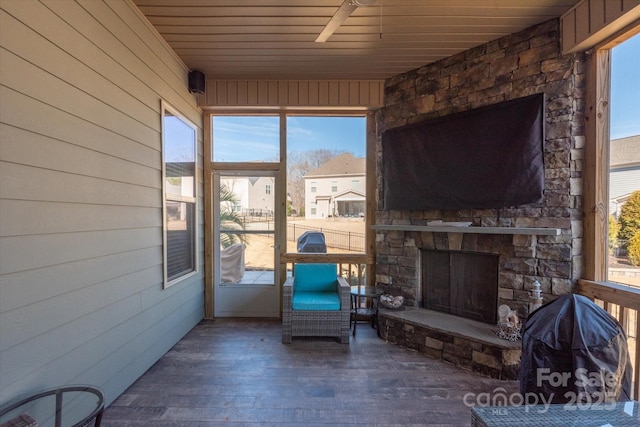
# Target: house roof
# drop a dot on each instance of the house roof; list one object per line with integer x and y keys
{"x": 624, "y": 151}
{"x": 622, "y": 199}
{"x": 275, "y": 39}
{"x": 349, "y": 195}
{"x": 344, "y": 164}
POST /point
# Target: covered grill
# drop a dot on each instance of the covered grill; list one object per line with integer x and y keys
{"x": 574, "y": 351}
{"x": 312, "y": 241}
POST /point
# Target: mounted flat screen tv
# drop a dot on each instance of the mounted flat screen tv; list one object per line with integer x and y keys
{"x": 489, "y": 157}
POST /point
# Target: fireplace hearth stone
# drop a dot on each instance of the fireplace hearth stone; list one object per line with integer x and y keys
{"x": 463, "y": 342}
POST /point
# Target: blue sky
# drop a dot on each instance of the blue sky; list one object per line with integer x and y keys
{"x": 246, "y": 138}
{"x": 256, "y": 138}
{"x": 330, "y": 133}
{"x": 179, "y": 140}
{"x": 625, "y": 89}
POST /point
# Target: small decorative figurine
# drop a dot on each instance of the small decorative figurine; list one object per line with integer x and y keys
{"x": 508, "y": 324}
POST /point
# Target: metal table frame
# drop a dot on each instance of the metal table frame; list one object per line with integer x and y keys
{"x": 357, "y": 294}
{"x": 59, "y": 392}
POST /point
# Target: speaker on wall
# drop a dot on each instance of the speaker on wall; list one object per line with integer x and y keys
{"x": 196, "y": 81}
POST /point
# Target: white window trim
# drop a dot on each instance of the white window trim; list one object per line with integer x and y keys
{"x": 166, "y": 107}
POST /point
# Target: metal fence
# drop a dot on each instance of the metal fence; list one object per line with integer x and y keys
{"x": 264, "y": 222}
{"x": 337, "y": 239}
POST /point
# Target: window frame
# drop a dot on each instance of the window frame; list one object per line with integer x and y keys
{"x": 210, "y": 167}
{"x": 168, "y": 110}
{"x": 597, "y": 147}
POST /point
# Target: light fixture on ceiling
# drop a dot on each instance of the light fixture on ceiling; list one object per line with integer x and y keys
{"x": 344, "y": 11}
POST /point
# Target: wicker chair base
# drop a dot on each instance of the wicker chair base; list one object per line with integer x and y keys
{"x": 307, "y": 323}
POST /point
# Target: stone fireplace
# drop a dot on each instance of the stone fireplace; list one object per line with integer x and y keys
{"x": 540, "y": 242}
{"x": 454, "y": 279}
{"x": 486, "y": 262}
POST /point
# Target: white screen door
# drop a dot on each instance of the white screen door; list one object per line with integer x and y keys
{"x": 245, "y": 276}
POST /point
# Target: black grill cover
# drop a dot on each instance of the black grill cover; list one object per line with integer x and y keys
{"x": 312, "y": 241}
{"x": 575, "y": 338}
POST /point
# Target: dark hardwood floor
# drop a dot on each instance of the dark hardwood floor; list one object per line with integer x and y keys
{"x": 236, "y": 372}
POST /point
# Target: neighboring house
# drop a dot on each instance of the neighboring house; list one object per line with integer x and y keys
{"x": 624, "y": 171}
{"x": 336, "y": 188}
{"x": 255, "y": 195}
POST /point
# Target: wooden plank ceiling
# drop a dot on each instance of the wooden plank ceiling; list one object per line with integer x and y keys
{"x": 275, "y": 39}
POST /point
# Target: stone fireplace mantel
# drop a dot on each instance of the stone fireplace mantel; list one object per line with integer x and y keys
{"x": 469, "y": 230}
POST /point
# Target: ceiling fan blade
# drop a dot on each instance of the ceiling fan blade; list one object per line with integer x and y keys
{"x": 343, "y": 12}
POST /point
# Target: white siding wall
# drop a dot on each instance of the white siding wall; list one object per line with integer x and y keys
{"x": 623, "y": 181}
{"x": 259, "y": 199}
{"x": 81, "y": 295}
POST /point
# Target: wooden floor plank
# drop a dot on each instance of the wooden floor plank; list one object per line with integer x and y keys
{"x": 236, "y": 372}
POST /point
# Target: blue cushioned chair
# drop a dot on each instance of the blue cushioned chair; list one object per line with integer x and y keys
{"x": 315, "y": 303}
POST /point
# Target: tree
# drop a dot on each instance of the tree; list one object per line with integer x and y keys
{"x": 630, "y": 217}
{"x": 633, "y": 251}
{"x": 299, "y": 164}
{"x": 229, "y": 219}
{"x": 614, "y": 230}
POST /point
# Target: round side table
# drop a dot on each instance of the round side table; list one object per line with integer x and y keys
{"x": 74, "y": 405}
{"x": 364, "y": 292}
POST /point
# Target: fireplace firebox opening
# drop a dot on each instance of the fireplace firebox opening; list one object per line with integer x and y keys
{"x": 461, "y": 283}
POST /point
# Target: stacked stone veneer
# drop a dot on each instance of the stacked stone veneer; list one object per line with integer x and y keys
{"x": 514, "y": 66}
{"x": 477, "y": 354}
